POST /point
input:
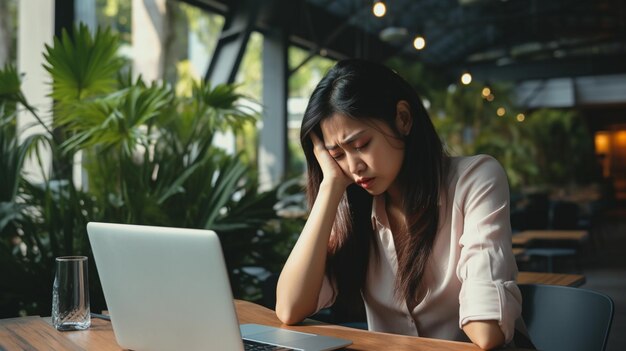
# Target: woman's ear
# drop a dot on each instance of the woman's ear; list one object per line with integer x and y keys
{"x": 404, "y": 119}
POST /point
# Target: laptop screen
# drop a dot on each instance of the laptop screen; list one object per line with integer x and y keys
{"x": 165, "y": 288}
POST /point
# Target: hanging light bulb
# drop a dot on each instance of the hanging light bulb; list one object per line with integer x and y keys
{"x": 466, "y": 78}
{"x": 419, "y": 43}
{"x": 379, "y": 9}
{"x": 486, "y": 92}
{"x": 521, "y": 117}
{"x": 501, "y": 111}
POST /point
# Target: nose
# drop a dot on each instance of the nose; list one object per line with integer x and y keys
{"x": 356, "y": 164}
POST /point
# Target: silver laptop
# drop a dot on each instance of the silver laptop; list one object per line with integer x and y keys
{"x": 168, "y": 289}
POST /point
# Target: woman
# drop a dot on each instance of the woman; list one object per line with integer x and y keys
{"x": 422, "y": 237}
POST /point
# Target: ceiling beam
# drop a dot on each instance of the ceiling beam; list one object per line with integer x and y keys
{"x": 323, "y": 30}
{"x": 232, "y": 43}
{"x": 313, "y": 28}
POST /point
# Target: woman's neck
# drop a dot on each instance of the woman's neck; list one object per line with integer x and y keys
{"x": 393, "y": 197}
{"x": 395, "y": 214}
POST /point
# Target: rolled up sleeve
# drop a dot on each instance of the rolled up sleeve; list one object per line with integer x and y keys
{"x": 487, "y": 268}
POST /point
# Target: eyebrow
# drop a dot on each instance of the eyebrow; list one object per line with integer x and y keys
{"x": 346, "y": 141}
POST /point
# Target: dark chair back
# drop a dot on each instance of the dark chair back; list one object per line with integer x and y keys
{"x": 565, "y": 215}
{"x": 537, "y": 212}
{"x": 565, "y": 318}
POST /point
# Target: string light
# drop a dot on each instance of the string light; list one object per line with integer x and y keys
{"x": 379, "y": 9}
{"x": 521, "y": 117}
{"x": 466, "y": 78}
{"x": 419, "y": 43}
{"x": 501, "y": 111}
{"x": 486, "y": 92}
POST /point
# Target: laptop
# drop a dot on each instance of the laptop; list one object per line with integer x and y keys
{"x": 168, "y": 289}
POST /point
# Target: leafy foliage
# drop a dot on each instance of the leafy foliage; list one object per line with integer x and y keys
{"x": 148, "y": 158}
{"x": 530, "y": 151}
{"x": 82, "y": 66}
{"x": 566, "y": 147}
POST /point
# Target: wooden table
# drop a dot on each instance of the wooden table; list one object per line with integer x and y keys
{"x": 525, "y": 237}
{"x": 574, "y": 280}
{"x": 362, "y": 339}
{"x": 35, "y": 333}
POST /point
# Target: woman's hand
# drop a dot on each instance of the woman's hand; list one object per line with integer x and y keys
{"x": 330, "y": 168}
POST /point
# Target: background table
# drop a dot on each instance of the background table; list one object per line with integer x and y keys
{"x": 525, "y": 237}
{"x": 574, "y": 280}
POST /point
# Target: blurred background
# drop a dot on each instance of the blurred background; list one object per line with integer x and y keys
{"x": 187, "y": 113}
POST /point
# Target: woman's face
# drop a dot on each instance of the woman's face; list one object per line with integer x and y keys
{"x": 368, "y": 152}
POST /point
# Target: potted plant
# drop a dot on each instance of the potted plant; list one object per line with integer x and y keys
{"x": 148, "y": 158}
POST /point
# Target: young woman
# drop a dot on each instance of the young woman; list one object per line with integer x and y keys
{"x": 423, "y": 238}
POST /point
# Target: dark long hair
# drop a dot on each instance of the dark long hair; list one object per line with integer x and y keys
{"x": 365, "y": 90}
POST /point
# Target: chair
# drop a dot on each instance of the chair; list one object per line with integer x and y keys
{"x": 562, "y": 318}
{"x": 537, "y": 212}
{"x": 550, "y": 253}
{"x": 565, "y": 215}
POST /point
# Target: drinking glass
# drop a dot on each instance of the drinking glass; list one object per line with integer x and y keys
{"x": 70, "y": 294}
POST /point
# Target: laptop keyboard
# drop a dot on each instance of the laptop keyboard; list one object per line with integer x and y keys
{"x": 250, "y": 345}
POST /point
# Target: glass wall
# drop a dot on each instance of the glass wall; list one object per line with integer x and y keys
{"x": 185, "y": 37}
{"x": 250, "y": 82}
{"x": 301, "y": 85}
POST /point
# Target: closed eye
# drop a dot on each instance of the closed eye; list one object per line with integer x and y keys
{"x": 361, "y": 147}
{"x": 337, "y": 156}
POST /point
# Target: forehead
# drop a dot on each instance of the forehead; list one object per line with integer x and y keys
{"x": 338, "y": 127}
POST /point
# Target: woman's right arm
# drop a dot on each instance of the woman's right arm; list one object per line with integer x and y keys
{"x": 301, "y": 279}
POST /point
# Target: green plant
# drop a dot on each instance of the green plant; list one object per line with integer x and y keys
{"x": 148, "y": 158}
{"x": 14, "y": 225}
{"x": 531, "y": 150}
{"x": 567, "y": 150}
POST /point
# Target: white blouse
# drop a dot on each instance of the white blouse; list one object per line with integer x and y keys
{"x": 471, "y": 272}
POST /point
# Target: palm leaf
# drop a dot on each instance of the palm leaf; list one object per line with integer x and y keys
{"x": 230, "y": 173}
{"x": 250, "y": 213}
{"x": 177, "y": 185}
{"x": 83, "y": 66}
{"x": 222, "y": 105}
{"x": 10, "y": 212}
{"x": 13, "y": 156}
{"x": 115, "y": 121}
{"x": 10, "y": 85}
{"x": 11, "y": 94}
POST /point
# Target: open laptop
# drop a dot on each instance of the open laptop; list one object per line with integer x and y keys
{"x": 168, "y": 289}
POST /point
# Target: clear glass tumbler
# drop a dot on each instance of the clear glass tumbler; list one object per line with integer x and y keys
{"x": 70, "y": 294}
